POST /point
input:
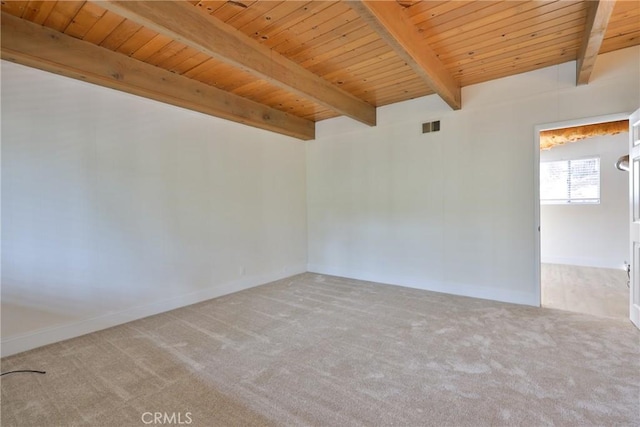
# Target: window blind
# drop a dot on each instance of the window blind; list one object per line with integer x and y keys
{"x": 570, "y": 181}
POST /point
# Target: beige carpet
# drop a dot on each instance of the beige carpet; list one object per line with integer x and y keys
{"x": 321, "y": 350}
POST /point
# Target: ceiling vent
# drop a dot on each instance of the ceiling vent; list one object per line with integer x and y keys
{"x": 431, "y": 127}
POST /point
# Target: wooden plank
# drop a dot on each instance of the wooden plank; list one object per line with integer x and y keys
{"x": 479, "y": 10}
{"x": 355, "y": 56}
{"x": 151, "y": 47}
{"x": 282, "y": 30}
{"x": 351, "y": 34}
{"x": 202, "y": 68}
{"x": 527, "y": 45}
{"x": 559, "y": 50}
{"x": 316, "y": 117}
{"x": 563, "y": 50}
{"x": 190, "y": 63}
{"x": 523, "y": 15}
{"x": 62, "y": 14}
{"x": 305, "y": 46}
{"x": 388, "y": 20}
{"x": 381, "y": 81}
{"x": 183, "y": 22}
{"x": 120, "y": 35}
{"x": 386, "y": 68}
{"x": 373, "y": 69}
{"x": 597, "y": 21}
{"x": 16, "y": 8}
{"x": 166, "y": 52}
{"x": 211, "y": 5}
{"x": 518, "y": 65}
{"x": 426, "y": 10}
{"x": 311, "y": 27}
{"x": 359, "y": 63}
{"x": 414, "y": 87}
{"x": 625, "y": 37}
{"x": 409, "y": 90}
{"x": 505, "y": 39}
{"x": 277, "y": 98}
{"x": 179, "y": 58}
{"x": 40, "y": 47}
{"x": 84, "y": 20}
{"x": 251, "y": 12}
{"x": 226, "y": 77}
{"x": 140, "y": 37}
{"x": 281, "y": 99}
{"x": 38, "y": 11}
{"x": 229, "y": 10}
{"x": 623, "y": 29}
{"x": 103, "y": 28}
{"x": 276, "y": 15}
{"x": 321, "y": 57}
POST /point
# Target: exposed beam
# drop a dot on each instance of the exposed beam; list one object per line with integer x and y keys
{"x": 181, "y": 21}
{"x": 554, "y": 137}
{"x": 33, "y": 45}
{"x": 388, "y": 19}
{"x": 597, "y": 20}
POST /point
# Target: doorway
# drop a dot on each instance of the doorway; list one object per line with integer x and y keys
{"x": 582, "y": 213}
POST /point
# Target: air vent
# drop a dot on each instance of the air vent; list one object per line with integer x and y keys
{"x": 431, "y": 127}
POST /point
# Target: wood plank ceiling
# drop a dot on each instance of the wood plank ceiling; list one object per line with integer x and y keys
{"x": 283, "y": 65}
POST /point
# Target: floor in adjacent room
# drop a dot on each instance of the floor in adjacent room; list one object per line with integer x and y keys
{"x": 597, "y": 291}
{"x": 323, "y": 350}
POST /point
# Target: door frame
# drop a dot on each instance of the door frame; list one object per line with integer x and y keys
{"x": 536, "y": 183}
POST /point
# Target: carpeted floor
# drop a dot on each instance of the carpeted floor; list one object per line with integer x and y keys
{"x": 321, "y": 350}
{"x": 597, "y": 291}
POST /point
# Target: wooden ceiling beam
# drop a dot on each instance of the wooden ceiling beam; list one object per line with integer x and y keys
{"x": 181, "y": 21}
{"x": 30, "y": 44}
{"x": 388, "y": 19}
{"x": 596, "y": 26}
{"x": 554, "y": 137}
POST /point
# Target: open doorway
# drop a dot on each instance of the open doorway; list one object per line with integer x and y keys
{"x": 583, "y": 216}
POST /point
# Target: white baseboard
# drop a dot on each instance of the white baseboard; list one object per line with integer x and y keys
{"x": 19, "y": 343}
{"x": 583, "y": 262}
{"x": 467, "y": 290}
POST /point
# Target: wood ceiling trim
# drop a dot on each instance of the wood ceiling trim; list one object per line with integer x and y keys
{"x": 595, "y": 29}
{"x": 40, "y": 47}
{"x": 387, "y": 19}
{"x": 185, "y": 23}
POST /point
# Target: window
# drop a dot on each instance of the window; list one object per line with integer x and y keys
{"x": 570, "y": 181}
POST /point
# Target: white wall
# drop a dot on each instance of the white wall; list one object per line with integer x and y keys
{"x": 116, "y": 207}
{"x": 590, "y": 235}
{"x": 451, "y": 211}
